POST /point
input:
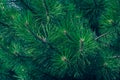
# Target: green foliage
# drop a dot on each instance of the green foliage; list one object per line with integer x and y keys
{"x": 59, "y": 40}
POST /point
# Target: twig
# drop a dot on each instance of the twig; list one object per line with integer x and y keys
{"x": 43, "y": 40}
{"x": 101, "y": 36}
{"x": 114, "y": 57}
{"x": 81, "y": 44}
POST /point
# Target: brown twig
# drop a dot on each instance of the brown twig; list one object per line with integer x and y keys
{"x": 81, "y": 44}
{"x": 101, "y": 36}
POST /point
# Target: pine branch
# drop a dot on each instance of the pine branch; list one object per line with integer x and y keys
{"x": 13, "y": 54}
{"x": 43, "y": 40}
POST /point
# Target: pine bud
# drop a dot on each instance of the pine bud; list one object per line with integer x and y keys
{"x": 105, "y": 64}
{"x": 44, "y": 40}
{"x": 81, "y": 40}
{"x": 110, "y": 21}
{"x": 26, "y": 23}
{"x": 63, "y": 58}
{"x": 65, "y": 32}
